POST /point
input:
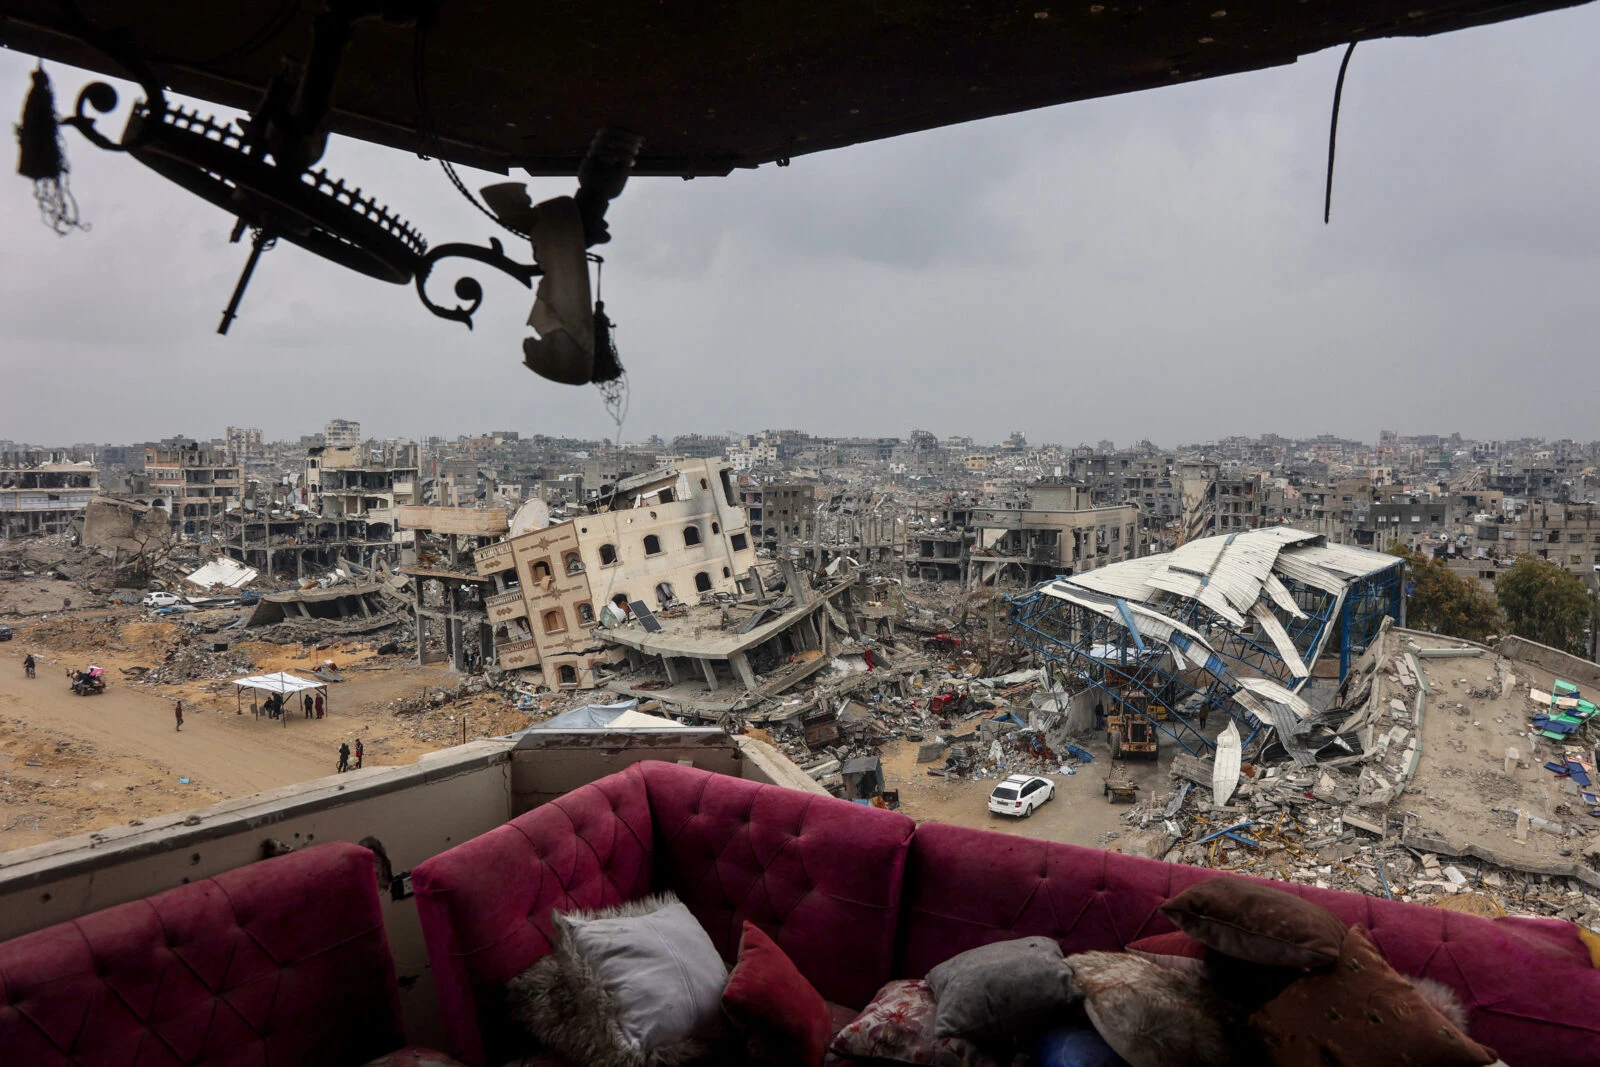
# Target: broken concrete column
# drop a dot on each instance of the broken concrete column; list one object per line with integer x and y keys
{"x": 741, "y": 666}
{"x": 710, "y": 671}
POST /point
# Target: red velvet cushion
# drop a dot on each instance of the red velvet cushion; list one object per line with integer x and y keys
{"x": 1527, "y": 984}
{"x": 781, "y": 1014}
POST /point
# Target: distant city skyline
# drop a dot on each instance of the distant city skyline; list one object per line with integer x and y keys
{"x": 269, "y": 438}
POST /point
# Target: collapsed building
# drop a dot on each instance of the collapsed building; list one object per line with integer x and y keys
{"x": 196, "y": 485}
{"x": 345, "y": 508}
{"x": 44, "y": 492}
{"x": 1055, "y": 529}
{"x": 657, "y": 541}
{"x": 1233, "y": 623}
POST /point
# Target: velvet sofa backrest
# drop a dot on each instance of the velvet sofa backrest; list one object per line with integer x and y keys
{"x": 485, "y": 904}
{"x": 1529, "y": 985}
{"x": 282, "y": 961}
{"x": 822, "y": 877}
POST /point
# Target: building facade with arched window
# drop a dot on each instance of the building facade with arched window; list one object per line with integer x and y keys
{"x": 671, "y": 535}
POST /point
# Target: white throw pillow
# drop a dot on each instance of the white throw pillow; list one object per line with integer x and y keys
{"x": 661, "y": 969}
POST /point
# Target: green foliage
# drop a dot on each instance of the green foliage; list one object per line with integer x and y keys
{"x": 1446, "y": 603}
{"x": 1544, "y": 603}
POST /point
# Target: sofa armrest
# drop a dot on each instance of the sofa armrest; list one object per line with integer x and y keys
{"x": 281, "y": 961}
{"x": 485, "y": 904}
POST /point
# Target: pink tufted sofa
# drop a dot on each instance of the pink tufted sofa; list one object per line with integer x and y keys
{"x": 857, "y": 895}
{"x": 280, "y": 962}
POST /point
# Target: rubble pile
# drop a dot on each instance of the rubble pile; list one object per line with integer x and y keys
{"x": 1441, "y": 781}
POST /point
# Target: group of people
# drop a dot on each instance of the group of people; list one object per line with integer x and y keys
{"x": 344, "y": 756}
{"x": 277, "y": 702}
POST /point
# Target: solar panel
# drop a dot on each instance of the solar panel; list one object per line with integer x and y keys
{"x": 646, "y": 617}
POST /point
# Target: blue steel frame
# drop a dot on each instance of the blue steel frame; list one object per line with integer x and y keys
{"x": 1063, "y": 633}
{"x": 1366, "y": 603}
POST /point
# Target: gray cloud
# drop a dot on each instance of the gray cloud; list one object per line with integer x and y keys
{"x": 1142, "y": 266}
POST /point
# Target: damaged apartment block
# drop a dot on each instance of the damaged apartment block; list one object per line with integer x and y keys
{"x": 659, "y": 541}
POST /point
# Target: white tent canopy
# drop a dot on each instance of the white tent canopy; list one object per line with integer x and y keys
{"x": 282, "y": 682}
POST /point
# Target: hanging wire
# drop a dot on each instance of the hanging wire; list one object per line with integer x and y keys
{"x": 1333, "y": 133}
{"x": 430, "y": 137}
{"x": 614, "y": 394}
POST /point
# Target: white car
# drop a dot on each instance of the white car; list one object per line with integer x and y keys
{"x": 159, "y": 600}
{"x": 1020, "y": 794}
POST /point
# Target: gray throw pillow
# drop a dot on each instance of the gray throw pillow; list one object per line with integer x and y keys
{"x": 1002, "y": 989}
{"x": 639, "y": 985}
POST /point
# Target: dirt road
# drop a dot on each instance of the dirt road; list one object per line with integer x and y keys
{"x": 69, "y": 764}
{"x": 130, "y": 722}
{"x": 1079, "y": 814}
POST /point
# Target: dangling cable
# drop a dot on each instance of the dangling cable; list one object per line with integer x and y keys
{"x": 609, "y": 376}
{"x": 1333, "y": 133}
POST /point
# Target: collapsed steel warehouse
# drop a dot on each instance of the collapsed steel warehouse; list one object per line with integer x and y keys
{"x": 1231, "y": 623}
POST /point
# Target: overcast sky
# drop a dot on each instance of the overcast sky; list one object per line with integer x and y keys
{"x": 1152, "y": 265}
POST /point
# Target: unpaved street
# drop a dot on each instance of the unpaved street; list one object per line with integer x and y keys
{"x": 69, "y": 764}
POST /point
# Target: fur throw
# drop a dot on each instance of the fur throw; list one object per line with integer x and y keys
{"x": 563, "y": 1004}
{"x": 1153, "y": 1016}
{"x": 1443, "y": 1000}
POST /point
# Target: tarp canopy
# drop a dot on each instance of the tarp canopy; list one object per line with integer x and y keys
{"x": 588, "y": 717}
{"x": 282, "y": 682}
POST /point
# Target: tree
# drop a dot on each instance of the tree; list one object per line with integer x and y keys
{"x": 1544, "y": 603}
{"x": 1445, "y": 602}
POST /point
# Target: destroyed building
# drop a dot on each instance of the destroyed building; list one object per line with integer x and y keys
{"x": 44, "y": 492}
{"x": 672, "y": 536}
{"x": 1230, "y": 624}
{"x": 1054, "y": 530}
{"x": 197, "y": 486}
{"x": 356, "y": 500}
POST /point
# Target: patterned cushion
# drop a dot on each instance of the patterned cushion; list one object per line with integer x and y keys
{"x": 283, "y": 961}
{"x": 897, "y": 1027}
{"x": 971, "y": 887}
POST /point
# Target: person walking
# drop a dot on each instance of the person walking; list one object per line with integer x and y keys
{"x": 360, "y": 752}
{"x": 177, "y": 711}
{"x": 344, "y": 757}
{"x": 28, "y": 665}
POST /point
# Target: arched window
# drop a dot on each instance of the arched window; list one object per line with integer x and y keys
{"x": 554, "y": 622}
{"x": 541, "y": 569}
{"x": 652, "y": 545}
{"x": 568, "y": 674}
{"x": 702, "y": 582}
{"x": 726, "y": 573}
{"x": 573, "y": 562}
{"x": 586, "y": 613}
{"x": 716, "y": 528}
{"x": 608, "y": 555}
{"x": 664, "y": 593}
{"x": 691, "y": 535}
{"x": 704, "y": 484}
